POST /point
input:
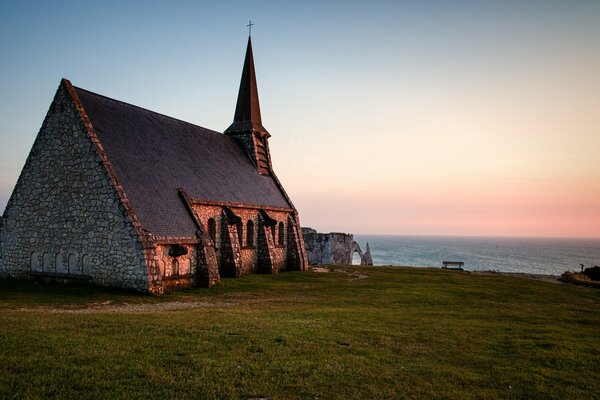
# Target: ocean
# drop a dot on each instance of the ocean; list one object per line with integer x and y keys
{"x": 551, "y": 256}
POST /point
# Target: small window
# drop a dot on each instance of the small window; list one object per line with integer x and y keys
{"x": 273, "y": 232}
{"x": 175, "y": 267}
{"x": 212, "y": 230}
{"x": 281, "y": 233}
{"x": 250, "y": 233}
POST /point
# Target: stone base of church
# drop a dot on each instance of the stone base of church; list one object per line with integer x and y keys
{"x": 48, "y": 277}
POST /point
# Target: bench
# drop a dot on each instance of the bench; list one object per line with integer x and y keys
{"x": 453, "y": 264}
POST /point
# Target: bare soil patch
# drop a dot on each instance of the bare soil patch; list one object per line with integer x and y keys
{"x": 226, "y": 301}
{"x": 354, "y": 275}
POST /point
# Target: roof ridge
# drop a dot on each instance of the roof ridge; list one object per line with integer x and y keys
{"x": 146, "y": 110}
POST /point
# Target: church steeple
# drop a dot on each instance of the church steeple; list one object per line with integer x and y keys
{"x": 247, "y": 110}
{"x": 247, "y": 122}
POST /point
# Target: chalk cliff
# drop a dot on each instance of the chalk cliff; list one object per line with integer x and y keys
{"x": 333, "y": 248}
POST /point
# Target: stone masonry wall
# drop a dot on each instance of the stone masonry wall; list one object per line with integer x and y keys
{"x": 248, "y": 252}
{"x": 65, "y": 216}
{"x": 279, "y": 250}
{"x": 296, "y": 254}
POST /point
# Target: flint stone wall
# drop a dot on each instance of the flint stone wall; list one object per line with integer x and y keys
{"x": 228, "y": 243}
{"x": 64, "y": 216}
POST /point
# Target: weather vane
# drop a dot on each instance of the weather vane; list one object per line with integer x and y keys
{"x": 250, "y": 24}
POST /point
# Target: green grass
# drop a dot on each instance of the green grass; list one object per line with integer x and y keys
{"x": 401, "y": 333}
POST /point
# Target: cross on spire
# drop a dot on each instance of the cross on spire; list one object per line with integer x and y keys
{"x": 250, "y": 25}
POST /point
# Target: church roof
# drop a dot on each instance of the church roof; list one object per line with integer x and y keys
{"x": 154, "y": 155}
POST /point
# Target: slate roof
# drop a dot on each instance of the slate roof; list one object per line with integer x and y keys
{"x": 153, "y": 155}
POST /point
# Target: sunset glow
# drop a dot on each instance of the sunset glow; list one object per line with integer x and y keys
{"x": 433, "y": 119}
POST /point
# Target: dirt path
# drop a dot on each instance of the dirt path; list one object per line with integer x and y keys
{"x": 112, "y": 307}
{"x": 241, "y": 300}
{"x": 352, "y": 276}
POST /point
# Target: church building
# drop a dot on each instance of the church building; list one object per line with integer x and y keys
{"x": 121, "y": 196}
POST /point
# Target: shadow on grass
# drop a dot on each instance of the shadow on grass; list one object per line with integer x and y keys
{"x": 26, "y": 292}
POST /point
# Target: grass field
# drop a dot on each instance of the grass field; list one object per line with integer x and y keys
{"x": 398, "y": 333}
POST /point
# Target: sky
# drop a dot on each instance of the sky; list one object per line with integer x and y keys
{"x": 422, "y": 118}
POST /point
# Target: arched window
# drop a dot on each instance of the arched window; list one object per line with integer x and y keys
{"x": 250, "y": 233}
{"x": 175, "y": 267}
{"x": 273, "y": 232}
{"x": 239, "y": 226}
{"x": 35, "y": 262}
{"x": 161, "y": 267}
{"x": 281, "y": 233}
{"x": 212, "y": 230}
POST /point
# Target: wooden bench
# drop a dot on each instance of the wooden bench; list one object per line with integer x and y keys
{"x": 453, "y": 264}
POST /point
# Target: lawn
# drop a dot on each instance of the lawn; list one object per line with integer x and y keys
{"x": 397, "y": 333}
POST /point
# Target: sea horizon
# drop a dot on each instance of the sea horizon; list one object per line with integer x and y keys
{"x": 534, "y": 255}
{"x": 476, "y": 236}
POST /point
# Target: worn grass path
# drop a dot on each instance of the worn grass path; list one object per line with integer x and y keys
{"x": 399, "y": 333}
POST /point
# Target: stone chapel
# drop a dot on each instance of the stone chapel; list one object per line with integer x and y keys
{"x": 121, "y": 196}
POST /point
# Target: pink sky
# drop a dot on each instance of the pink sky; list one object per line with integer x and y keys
{"x": 457, "y": 118}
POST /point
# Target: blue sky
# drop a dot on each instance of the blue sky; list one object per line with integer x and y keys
{"x": 378, "y": 110}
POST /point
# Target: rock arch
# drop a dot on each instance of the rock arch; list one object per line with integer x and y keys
{"x": 333, "y": 248}
{"x": 365, "y": 258}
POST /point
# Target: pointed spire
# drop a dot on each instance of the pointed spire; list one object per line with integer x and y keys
{"x": 247, "y": 126}
{"x": 247, "y": 111}
{"x": 248, "y": 107}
